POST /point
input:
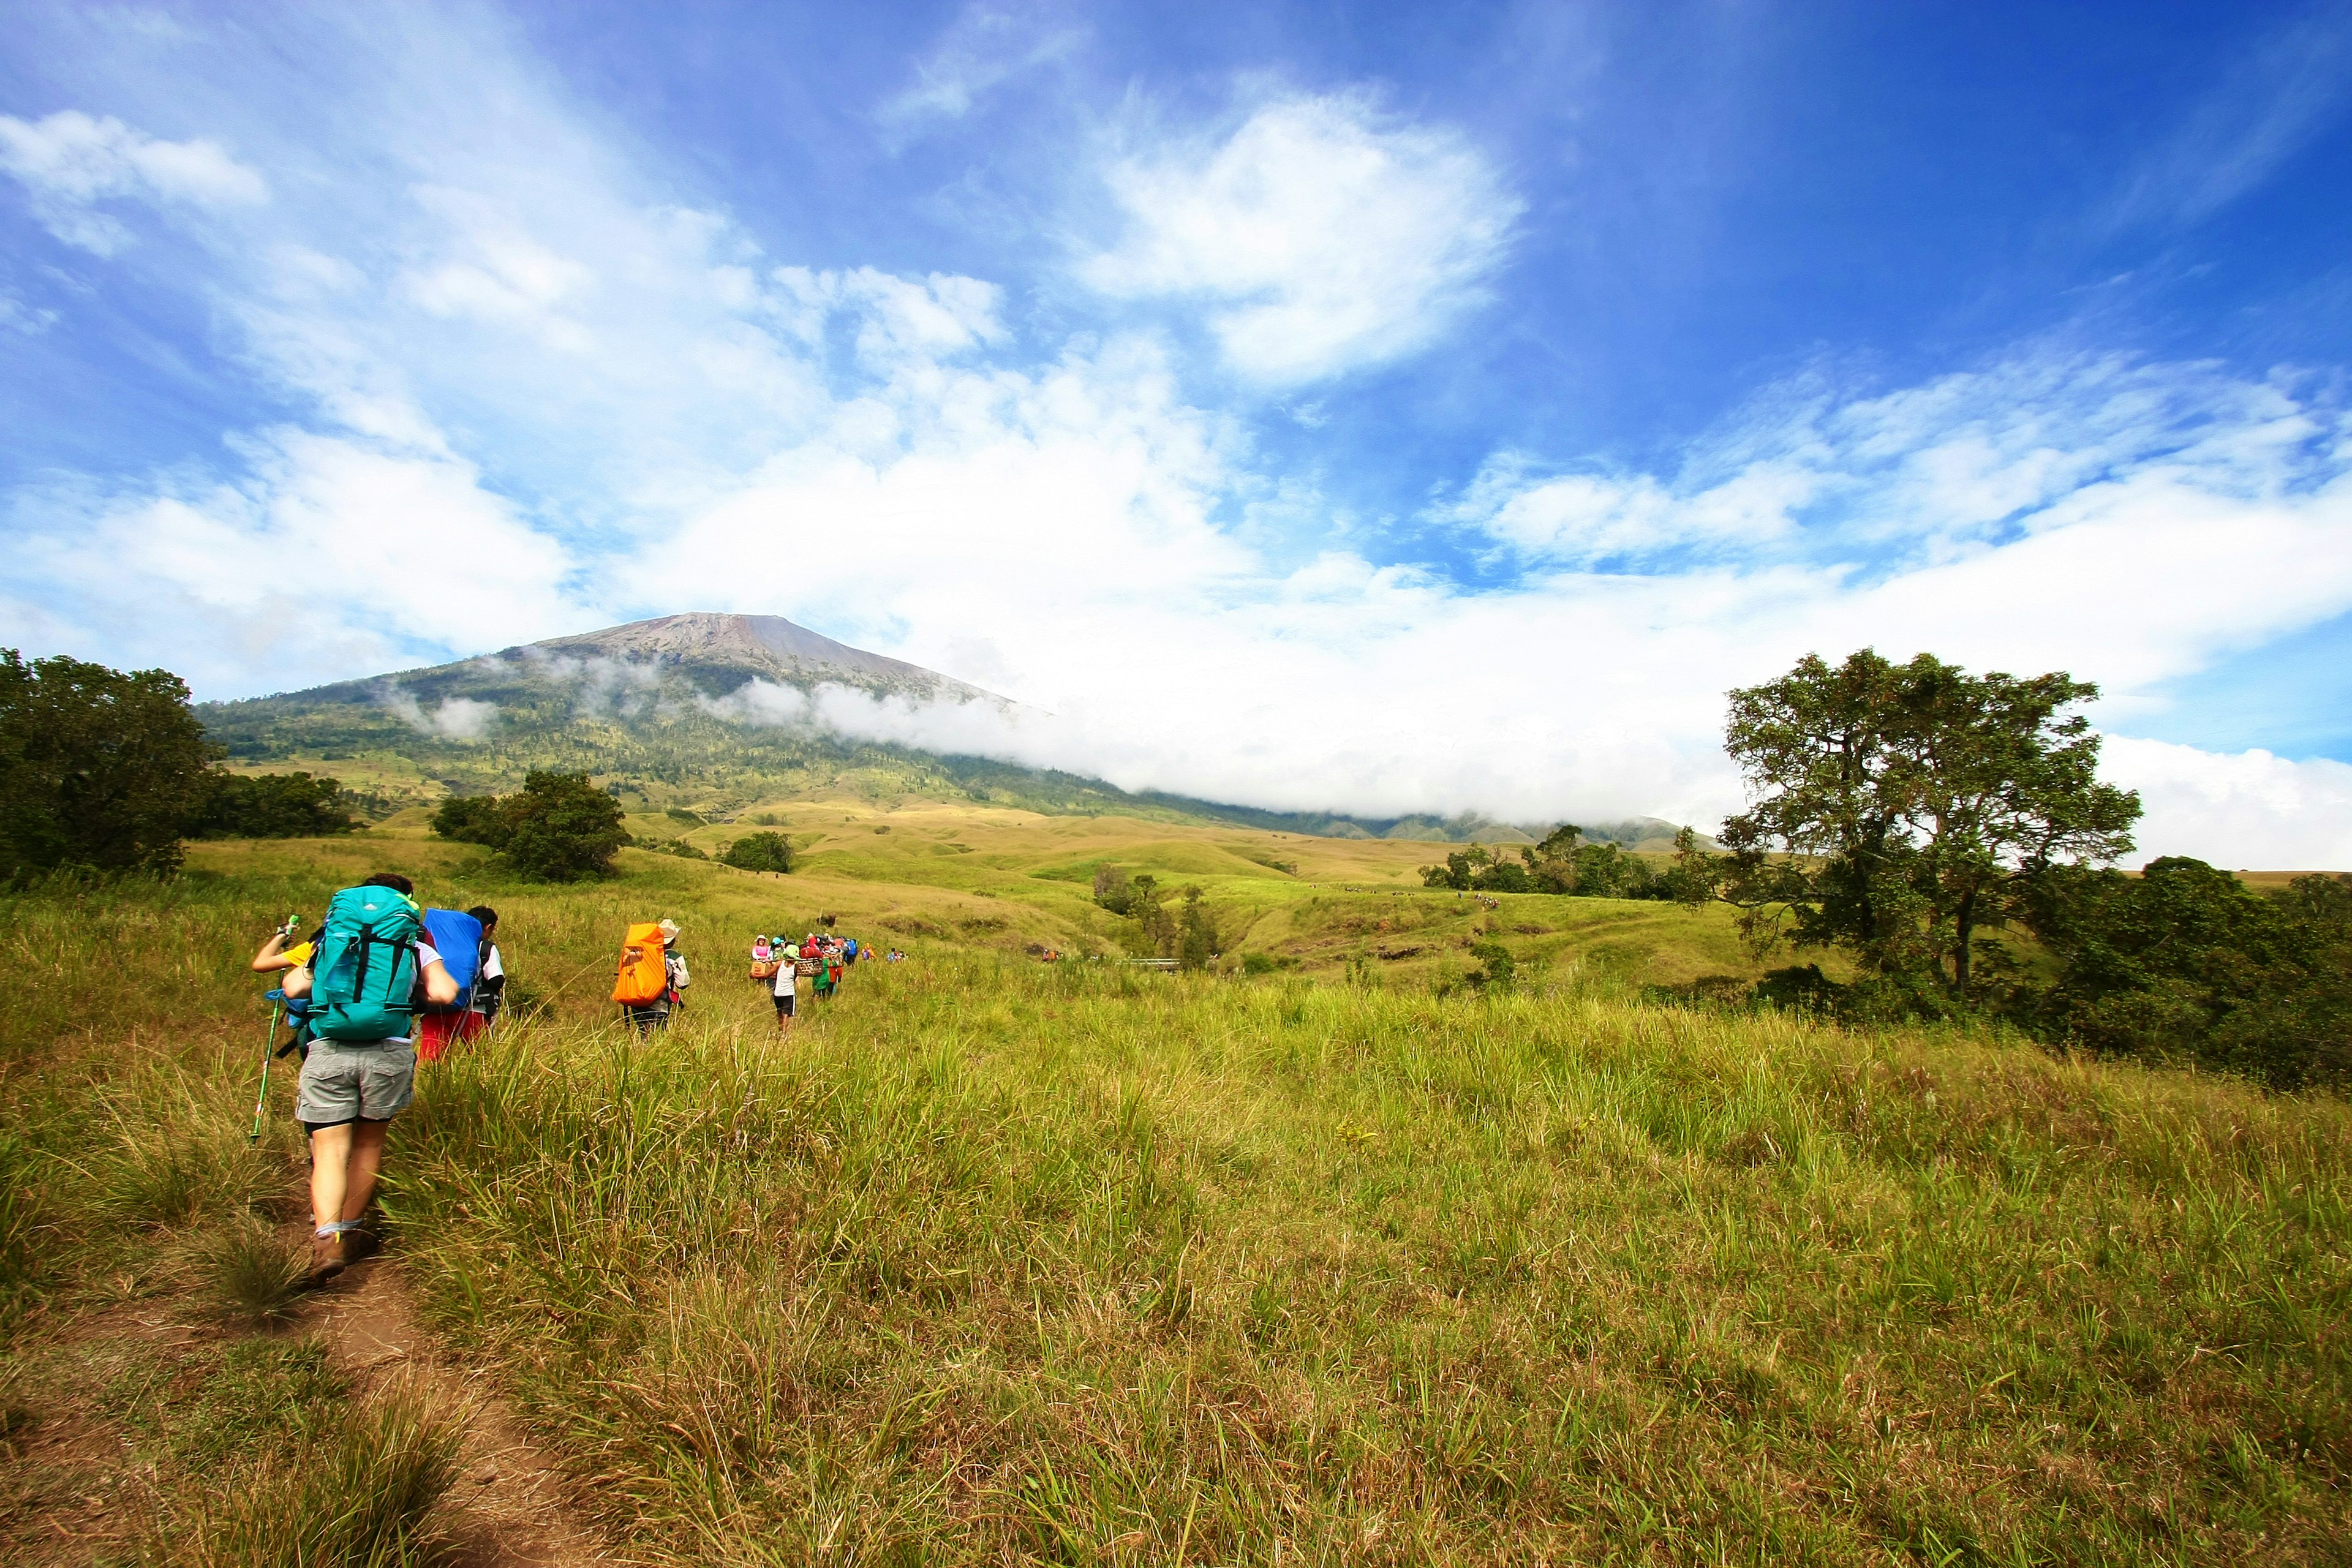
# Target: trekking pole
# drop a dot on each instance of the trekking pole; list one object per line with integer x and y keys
{"x": 276, "y": 1002}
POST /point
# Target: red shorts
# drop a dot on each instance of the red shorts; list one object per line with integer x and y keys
{"x": 436, "y": 1031}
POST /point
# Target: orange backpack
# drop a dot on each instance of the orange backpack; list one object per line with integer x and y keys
{"x": 645, "y": 978}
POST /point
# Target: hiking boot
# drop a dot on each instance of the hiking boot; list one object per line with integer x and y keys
{"x": 358, "y": 1245}
{"x": 326, "y": 1258}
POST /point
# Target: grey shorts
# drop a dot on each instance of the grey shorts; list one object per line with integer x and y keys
{"x": 342, "y": 1083}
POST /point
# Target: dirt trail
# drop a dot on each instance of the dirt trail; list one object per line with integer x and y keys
{"x": 509, "y": 1506}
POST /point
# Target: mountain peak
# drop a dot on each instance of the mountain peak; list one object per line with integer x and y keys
{"x": 767, "y": 645}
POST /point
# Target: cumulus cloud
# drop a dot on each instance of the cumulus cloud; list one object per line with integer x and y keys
{"x": 70, "y": 162}
{"x": 330, "y": 553}
{"x": 454, "y": 719}
{"x": 2252, "y": 811}
{"x": 1320, "y": 236}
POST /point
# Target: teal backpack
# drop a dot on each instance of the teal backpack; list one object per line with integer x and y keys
{"x": 366, "y": 967}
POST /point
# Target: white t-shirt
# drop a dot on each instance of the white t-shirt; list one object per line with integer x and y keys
{"x": 787, "y": 978}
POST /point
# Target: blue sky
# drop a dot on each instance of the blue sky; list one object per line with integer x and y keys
{"x": 1391, "y": 409}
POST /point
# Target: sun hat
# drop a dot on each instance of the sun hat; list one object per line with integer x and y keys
{"x": 668, "y": 930}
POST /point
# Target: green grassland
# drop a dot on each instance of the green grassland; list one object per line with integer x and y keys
{"x": 1001, "y": 1261}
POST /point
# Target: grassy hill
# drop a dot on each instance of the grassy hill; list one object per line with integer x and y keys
{"x": 1001, "y": 1261}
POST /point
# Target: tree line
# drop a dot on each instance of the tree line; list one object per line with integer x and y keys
{"x": 111, "y": 771}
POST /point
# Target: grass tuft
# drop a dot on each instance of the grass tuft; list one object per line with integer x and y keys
{"x": 366, "y": 1495}
{"x": 253, "y": 1275}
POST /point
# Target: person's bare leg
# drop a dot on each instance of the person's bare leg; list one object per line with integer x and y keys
{"x": 366, "y": 1160}
{"x": 330, "y": 1155}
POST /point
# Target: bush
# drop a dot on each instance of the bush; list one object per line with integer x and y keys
{"x": 760, "y": 852}
{"x": 473, "y": 819}
{"x": 273, "y": 805}
{"x": 2184, "y": 961}
{"x": 96, "y": 768}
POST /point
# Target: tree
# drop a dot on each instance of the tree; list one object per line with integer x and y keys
{"x": 1112, "y": 890}
{"x": 273, "y": 805}
{"x": 2185, "y": 961}
{"x": 474, "y": 819}
{"x": 561, "y": 827}
{"x": 97, "y": 768}
{"x": 1196, "y": 933}
{"x": 1898, "y": 809}
{"x": 760, "y": 852}
{"x": 1158, "y": 928}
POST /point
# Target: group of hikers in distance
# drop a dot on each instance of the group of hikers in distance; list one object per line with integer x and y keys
{"x": 387, "y": 982}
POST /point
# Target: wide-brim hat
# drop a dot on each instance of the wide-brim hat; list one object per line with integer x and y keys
{"x": 669, "y": 930}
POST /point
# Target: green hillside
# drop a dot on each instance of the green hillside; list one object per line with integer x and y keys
{"x": 644, "y": 710}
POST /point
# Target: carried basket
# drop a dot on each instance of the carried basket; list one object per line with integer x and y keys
{"x": 763, "y": 969}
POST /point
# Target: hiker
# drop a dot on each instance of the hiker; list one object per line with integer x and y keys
{"x": 763, "y": 952}
{"x": 361, "y": 1070}
{"x": 294, "y": 963}
{"x": 649, "y": 990}
{"x": 463, "y": 944}
{"x": 490, "y": 985}
{"x": 787, "y": 987}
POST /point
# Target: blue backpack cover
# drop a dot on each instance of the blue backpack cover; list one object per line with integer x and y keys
{"x": 366, "y": 967}
{"x": 457, "y": 938}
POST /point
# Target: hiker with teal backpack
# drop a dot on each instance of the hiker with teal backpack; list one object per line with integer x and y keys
{"x": 370, "y": 967}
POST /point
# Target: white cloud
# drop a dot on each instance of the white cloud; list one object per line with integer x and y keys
{"x": 1320, "y": 236}
{"x": 333, "y": 557}
{"x": 71, "y": 161}
{"x": 454, "y": 719}
{"x": 2252, "y": 811}
{"x": 985, "y": 47}
{"x": 18, "y": 317}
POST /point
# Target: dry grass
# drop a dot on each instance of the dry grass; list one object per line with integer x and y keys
{"x": 996, "y": 1262}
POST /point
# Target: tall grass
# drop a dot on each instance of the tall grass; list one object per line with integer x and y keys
{"x": 996, "y": 1262}
{"x": 999, "y": 1263}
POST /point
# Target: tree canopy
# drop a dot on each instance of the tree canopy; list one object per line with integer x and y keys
{"x": 1900, "y": 810}
{"x": 557, "y": 827}
{"x": 760, "y": 852}
{"x": 272, "y": 805}
{"x": 97, "y": 768}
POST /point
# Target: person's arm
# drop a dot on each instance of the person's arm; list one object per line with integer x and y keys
{"x": 272, "y": 956}
{"x": 440, "y": 986}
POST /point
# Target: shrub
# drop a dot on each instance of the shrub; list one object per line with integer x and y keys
{"x": 473, "y": 819}
{"x": 760, "y": 852}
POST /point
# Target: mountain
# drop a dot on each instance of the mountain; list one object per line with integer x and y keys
{"x": 703, "y": 711}
{"x": 760, "y": 647}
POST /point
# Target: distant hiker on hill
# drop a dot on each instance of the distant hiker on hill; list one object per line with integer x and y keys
{"x": 360, "y": 1070}
{"x": 653, "y": 975}
{"x": 490, "y": 988}
{"x": 786, "y": 987}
